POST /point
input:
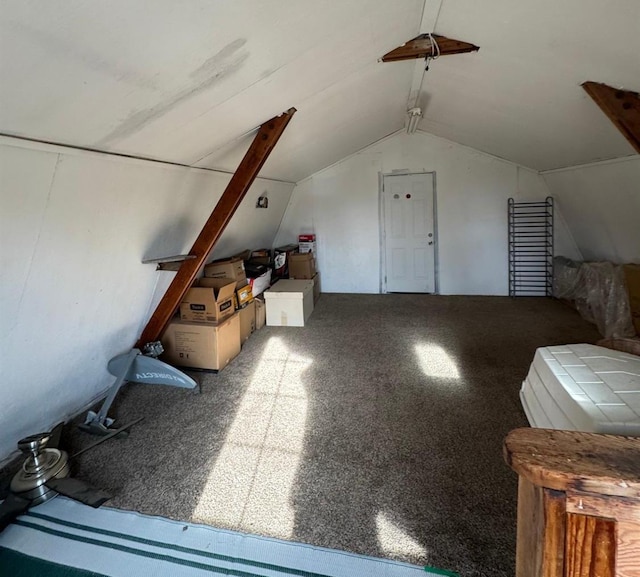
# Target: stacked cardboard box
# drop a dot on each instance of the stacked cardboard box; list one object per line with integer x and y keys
{"x": 209, "y": 300}
{"x": 231, "y": 268}
{"x": 261, "y": 313}
{"x": 307, "y": 243}
{"x": 234, "y": 269}
{"x": 247, "y": 316}
{"x": 217, "y": 315}
{"x": 207, "y": 333}
{"x": 302, "y": 265}
{"x": 202, "y": 345}
{"x": 316, "y": 288}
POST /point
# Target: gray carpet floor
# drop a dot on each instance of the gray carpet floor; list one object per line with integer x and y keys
{"x": 376, "y": 429}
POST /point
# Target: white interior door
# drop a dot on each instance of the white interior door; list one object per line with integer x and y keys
{"x": 408, "y": 233}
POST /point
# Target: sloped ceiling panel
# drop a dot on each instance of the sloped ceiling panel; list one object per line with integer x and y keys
{"x": 519, "y": 97}
{"x": 183, "y": 81}
{"x": 332, "y": 123}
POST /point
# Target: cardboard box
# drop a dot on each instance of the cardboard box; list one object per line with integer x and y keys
{"x": 289, "y": 303}
{"x": 209, "y": 302}
{"x": 261, "y": 256}
{"x": 202, "y": 345}
{"x": 260, "y": 284}
{"x": 307, "y": 243}
{"x": 316, "y": 288}
{"x": 307, "y": 247}
{"x": 231, "y": 268}
{"x": 244, "y": 255}
{"x": 261, "y": 313}
{"x": 302, "y": 266}
{"x": 244, "y": 295}
{"x": 632, "y": 278}
{"x": 247, "y": 321}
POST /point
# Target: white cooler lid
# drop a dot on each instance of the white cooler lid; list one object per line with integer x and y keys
{"x": 289, "y": 289}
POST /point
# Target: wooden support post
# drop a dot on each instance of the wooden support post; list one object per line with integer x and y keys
{"x": 622, "y": 107}
{"x": 262, "y": 145}
{"x": 578, "y": 503}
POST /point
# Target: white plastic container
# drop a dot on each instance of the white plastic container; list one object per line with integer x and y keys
{"x": 583, "y": 388}
{"x": 289, "y": 303}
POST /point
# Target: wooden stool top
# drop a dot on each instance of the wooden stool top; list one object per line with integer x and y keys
{"x": 576, "y": 461}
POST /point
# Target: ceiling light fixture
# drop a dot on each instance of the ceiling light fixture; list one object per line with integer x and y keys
{"x": 415, "y": 114}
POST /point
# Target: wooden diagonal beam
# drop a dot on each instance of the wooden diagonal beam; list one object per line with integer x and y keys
{"x": 262, "y": 145}
{"x": 622, "y": 107}
{"x": 421, "y": 47}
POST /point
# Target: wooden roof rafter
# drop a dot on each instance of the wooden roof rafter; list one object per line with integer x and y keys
{"x": 622, "y": 107}
{"x": 263, "y": 143}
{"x": 422, "y": 47}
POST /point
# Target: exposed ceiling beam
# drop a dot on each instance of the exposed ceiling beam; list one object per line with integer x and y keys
{"x": 430, "y": 15}
{"x": 422, "y": 47}
{"x": 622, "y": 107}
{"x": 260, "y": 149}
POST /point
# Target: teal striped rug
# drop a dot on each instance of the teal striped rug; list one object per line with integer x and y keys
{"x": 62, "y": 538}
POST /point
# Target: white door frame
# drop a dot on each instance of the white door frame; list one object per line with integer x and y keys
{"x": 383, "y": 258}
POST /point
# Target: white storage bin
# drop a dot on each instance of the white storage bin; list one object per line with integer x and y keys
{"x": 289, "y": 303}
{"x": 583, "y": 387}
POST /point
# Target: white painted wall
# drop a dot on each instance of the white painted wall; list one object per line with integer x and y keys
{"x": 74, "y": 227}
{"x": 601, "y": 203}
{"x": 340, "y": 204}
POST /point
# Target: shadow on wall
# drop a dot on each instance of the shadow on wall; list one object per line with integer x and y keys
{"x": 171, "y": 239}
{"x": 73, "y": 356}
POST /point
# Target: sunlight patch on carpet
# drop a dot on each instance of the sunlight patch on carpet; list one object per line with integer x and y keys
{"x": 394, "y": 540}
{"x": 436, "y": 362}
{"x": 251, "y": 479}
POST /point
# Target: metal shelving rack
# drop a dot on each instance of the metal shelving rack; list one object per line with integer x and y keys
{"x": 531, "y": 248}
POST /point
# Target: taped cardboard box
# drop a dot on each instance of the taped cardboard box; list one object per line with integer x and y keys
{"x": 632, "y": 279}
{"x": 210, "y": 346}
{"x": 247, "y": 321}
{"x": 210, "y": 301}
{"x": 302, "y": 266}
{"x": 231, "y": 268}
{"x": 261, "y": 313}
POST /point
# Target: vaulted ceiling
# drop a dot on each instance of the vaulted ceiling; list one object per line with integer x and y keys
{"x": 188, "y": 81}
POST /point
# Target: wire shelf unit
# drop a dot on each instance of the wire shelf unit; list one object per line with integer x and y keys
{"x": 531, "y": 248}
